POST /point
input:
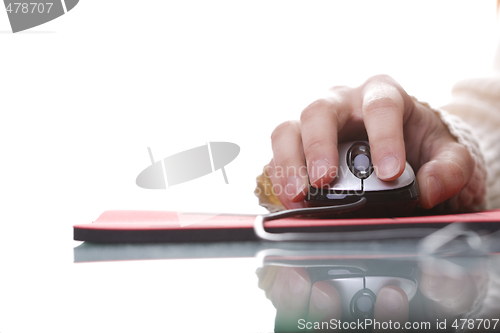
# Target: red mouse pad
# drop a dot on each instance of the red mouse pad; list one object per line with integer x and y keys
{"x": 129, "y": 226}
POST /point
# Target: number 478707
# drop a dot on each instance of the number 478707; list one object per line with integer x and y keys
{"x": 32, "y": 7}
{"x": 475, "y": 324}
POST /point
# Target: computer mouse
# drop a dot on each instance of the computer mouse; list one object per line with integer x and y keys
{"x": 357, "y": 279}
{"x": 359, "y": 282}
{"x": 356, "y": 178}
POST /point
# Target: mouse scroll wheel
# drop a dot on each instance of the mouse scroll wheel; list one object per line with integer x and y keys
{"x": 359, "y": 160}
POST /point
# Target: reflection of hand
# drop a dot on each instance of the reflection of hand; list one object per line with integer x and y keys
{"x": 398, "y": 129}
{"x": 451, "y": 288}
{"x": 289, "y": 289}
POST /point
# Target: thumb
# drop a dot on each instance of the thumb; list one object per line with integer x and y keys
{"x": 448, "y": 171}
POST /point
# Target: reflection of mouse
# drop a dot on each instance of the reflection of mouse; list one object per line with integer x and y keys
{"x": 358, "y": 283}
{"x": 355, "y": 179}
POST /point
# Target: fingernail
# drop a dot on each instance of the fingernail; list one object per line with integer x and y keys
{"x": 434, "y": 190}
{"x": 294, "y": 187}
{"x": 388, "y": 167}
{"x": 391, "y": 299}
{"x": 296, "y": 282}
{"x": 320, "y": 299}
{"x": 318, "y": 170}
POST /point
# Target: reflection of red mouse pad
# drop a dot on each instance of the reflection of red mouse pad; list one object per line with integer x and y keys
{"x": 128, "y": 226}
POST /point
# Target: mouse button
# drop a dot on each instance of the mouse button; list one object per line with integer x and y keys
{"x": 408, "y": 176}
{"x": 373, "y": 183}
{"x": 375, "y": 283}
{"x": 345, "y": 270}
{"x": 347, "y": 182}
{"x": 347, "y": 286}
{"x": 343, "y": 148}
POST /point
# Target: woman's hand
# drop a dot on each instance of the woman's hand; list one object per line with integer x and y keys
{"x": 398, "y": 129}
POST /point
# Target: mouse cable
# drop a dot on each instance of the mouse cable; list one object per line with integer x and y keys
{"x": 261, "y": 232}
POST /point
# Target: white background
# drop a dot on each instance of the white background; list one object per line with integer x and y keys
{"x": 83, "y": 96}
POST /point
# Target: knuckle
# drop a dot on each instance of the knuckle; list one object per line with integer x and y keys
{"x": 340, "y": 90}
{"x": 314, "y": 145}
{"x": 284, "y": 127}
{"x": 380, "y": 78}
{"x": 387, "y": 142}
{"x": 382, "y": 103}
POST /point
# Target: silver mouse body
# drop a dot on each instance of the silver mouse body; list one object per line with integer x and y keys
{"x": 356, "y": 178}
